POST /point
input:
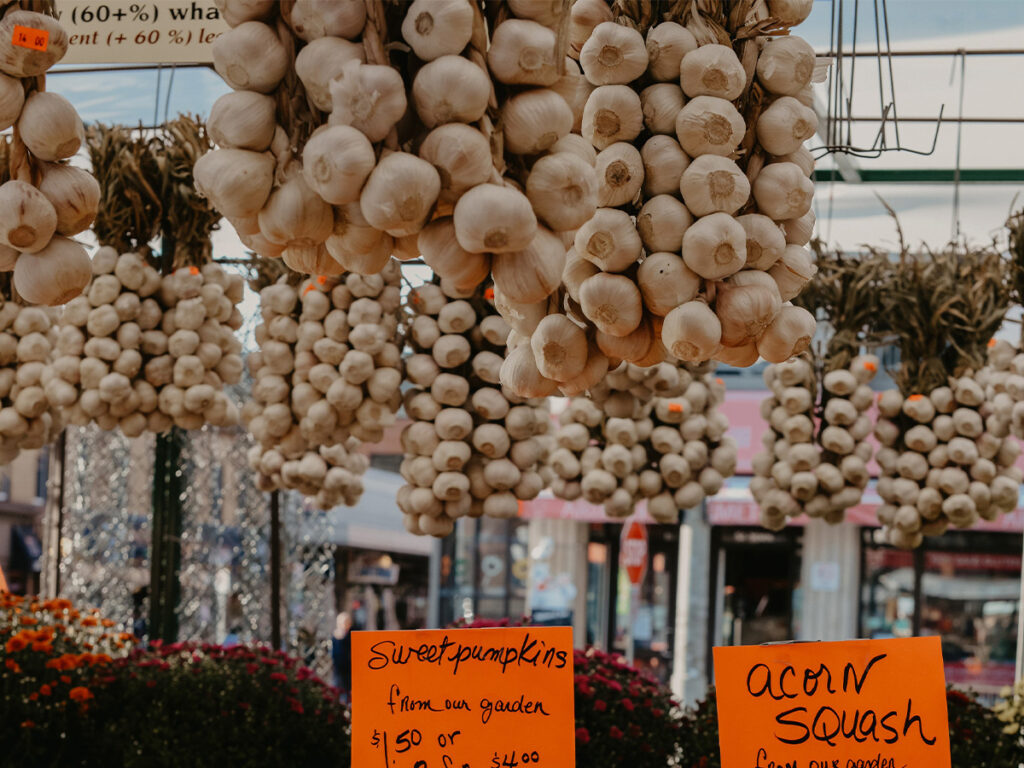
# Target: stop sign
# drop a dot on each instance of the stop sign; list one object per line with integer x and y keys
{"x": 633, "y": 551}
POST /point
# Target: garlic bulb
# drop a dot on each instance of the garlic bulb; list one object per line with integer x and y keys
{"x": 336, "y": 162}
{"x": 520, "y": 374}
{"x": 400, "y": 194}
{"x": 612, "y": 113}
{"x": 666, "y": 282}
{"x": 523, "y": 52}
{"x": 234, "y": 12}
{"x": 788, "y": 335}
{"x": 612, "y": 302}
{"x": 667, "y": 43}
{"x": 620, "y": 174}
{"x": 609, "y": 240}
{"x": 613, "y": 55}
{"x": 355, "y": 240}
{"x": 661, "y": 103}
{"x": 746, "y": 303}
{"x": 584, "y": 16}
{"x": 443, "y": 254}
{"x": 692, "y": 332}
{"x": 709, "y": 125}
{"x": 534, "y": 120}
{"x": 243, "y": 120}
{"x": 714, "y": 184}
{"x": 793, "y": 270}
{"x": 562, "y": 188}
{"x": 250, "y": 57}
{"x": 662, "y": 222}
{"x": 462, "y": 157}
{"x": 559, "y": 348}
{"x": 533, "y": 273}
{"x": 74, "y": 195}
{"x": 450, "y": 89}
{"x": 50, "y": 126}
{"x": 21, "y": 61}
{"x": 27, "y": 218}
{"x": 664, "y": 162}
{"x": 785, "y": 125}
{"x": 790, "y": 12}
{"x": 799, "y": 231}
{"x": 313, "y": 19}
{"x": 546, "y": 12}
{"x": 321, "y": 61}
{"x": 236, "y": 181}
{"x": 715, "y": 246}
{"x": 765, "y": 240}
{"x": 712, "y": 70}
{"x": 782, "y": 191}
{"x": 494, "y": 219}
{"x": 369, "y": 97}
{"x": 295, "y": 215}
{"x": 12, "y": 99}
{"x": 434, "y": 28}
{"x": 785, "y": 65}
{"x": 53, "y": 275}
{"x": 802, "y": 157}
{"x": 575, "y": 89}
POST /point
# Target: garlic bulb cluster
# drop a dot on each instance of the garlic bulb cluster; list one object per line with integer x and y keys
{"x": 140, "y": 352}
{"x": 815, "y": 457}
{"x": 697, "y": 244}
{"x": 326, "y": 380}
{"x": 948, "y": 459}
{"x": 46, "y": 201}
{"x": 1002, "y": 376}
{"x": 644, "y": 433}
{"x": 473, "y": 448}
{"x": 28, "y": 420}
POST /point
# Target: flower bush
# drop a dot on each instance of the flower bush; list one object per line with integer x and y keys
{"x": 206, "y": 705}
{"x": 73, "y": 692}
{"x": 623, "y": 716}
{"x": 978, "y": 736}
{"x": 50, "y": 656}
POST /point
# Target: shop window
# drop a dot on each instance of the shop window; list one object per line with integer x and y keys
{"x": 389, "y": 462}
{"x": 962, "y": 586}
{"x": 42, "y": 474}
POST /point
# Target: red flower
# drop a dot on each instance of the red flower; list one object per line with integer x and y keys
{"x": 45, "y": 689}
{"x": 279, "y": 677}
{"x": 628, "y": 704}
{"x": 582, "y": 735}
{"x": 615, "y": 733}
{"x": 295, "y": 705}
{"x": 244, "y": 705}
{"x": 600, "y": 705}
{"x": 27, "y": 724}
{"x": 80, "y": 693}
{"x": 657, "y": 712}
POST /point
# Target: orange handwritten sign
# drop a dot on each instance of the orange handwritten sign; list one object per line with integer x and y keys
{"x": 3, "y": 581}
{"x": 856, "y": 704}
{"x": 463, "y": 698}
{"x": 29, "y": 37}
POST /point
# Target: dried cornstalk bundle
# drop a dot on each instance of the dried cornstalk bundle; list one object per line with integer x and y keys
{"x": 815, "y": 453}
{"x": 473, "y": 448}
{"x": 27, "y": 419}
{"x": 44, "y": 201}
{"x": 948, "y": 458}
{"x": 652, "y": 434}
{"x": 326, "y": 380}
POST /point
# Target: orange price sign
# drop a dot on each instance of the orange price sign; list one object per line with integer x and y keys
{"x": 29, "y": 37}
{"x": 855, "y": 704}
{"x": 463, "y": 698}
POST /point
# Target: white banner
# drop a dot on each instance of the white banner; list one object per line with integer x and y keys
{"x": 137, "y": 32}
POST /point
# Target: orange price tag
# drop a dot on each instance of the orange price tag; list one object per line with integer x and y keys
{"x": 477, "y": 697}
{"x": 489, "y": 294}
{"x": 878, "y": 703}
{"x": 991, "y": 342}
{"x": 321, "y": 279}
{"x": 870, "y": 366}
{"x": 30, "y": 37}
{"x": 675, "y": 407}
{"x": 3, "y": 581}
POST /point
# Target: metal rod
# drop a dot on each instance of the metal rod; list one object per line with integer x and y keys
{"x": 122, "y": 68}
{"x": 275, "y": 570}
{"x": 930, "y": 52}
{"x": 954, "y": 120}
